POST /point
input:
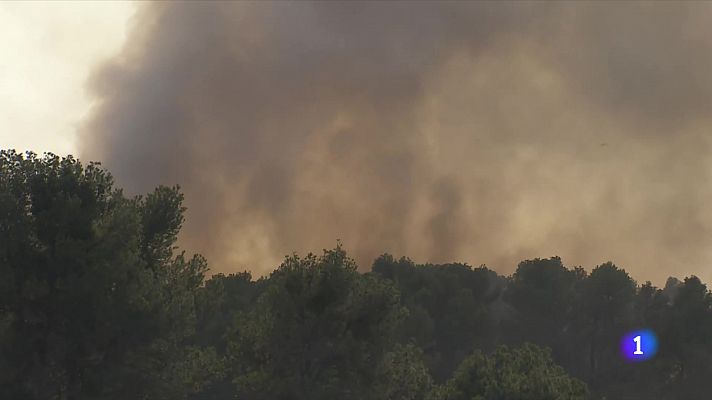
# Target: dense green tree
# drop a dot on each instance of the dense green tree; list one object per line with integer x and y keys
{"x": 96, "y": 302}
{"x": 318, "y": 331}
{"x": 544, "y": 294}
{"x": 524, "y": 373}
{"x": 93, "y": 301}
{"x": 218, "y": 303}
{"x": 650, "y": 310}
{"x": 448, "y": 308}
{"x": 403, "y": 375}
{"x": 607, "y": 308}
{"x": 688, "y": 338}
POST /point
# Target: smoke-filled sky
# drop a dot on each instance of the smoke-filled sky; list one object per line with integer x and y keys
{"x": 484, "y": 133}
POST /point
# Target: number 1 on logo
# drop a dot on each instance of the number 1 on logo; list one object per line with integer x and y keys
{"x": 637, "y": 351}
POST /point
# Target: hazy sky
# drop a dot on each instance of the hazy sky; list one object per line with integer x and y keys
{"x": 481, "y": 132}
{"x": 47, "y": 50}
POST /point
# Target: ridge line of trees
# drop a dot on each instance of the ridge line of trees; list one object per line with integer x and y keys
{"x": 97, "y": 302}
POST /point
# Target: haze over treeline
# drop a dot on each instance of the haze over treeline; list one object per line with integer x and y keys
{"x": 478, "y": 132}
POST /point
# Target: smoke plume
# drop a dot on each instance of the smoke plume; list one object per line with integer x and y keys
{"x": 475, "y": 132}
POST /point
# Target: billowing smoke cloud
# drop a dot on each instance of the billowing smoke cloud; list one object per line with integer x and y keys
{"x": 475, "y": 132}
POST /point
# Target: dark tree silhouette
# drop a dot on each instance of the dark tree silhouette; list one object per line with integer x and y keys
{"x": 97, "y": 302}
{"x": 93, "y": 301}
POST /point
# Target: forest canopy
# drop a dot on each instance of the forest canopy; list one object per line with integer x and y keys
{"x": 98, "y": 302}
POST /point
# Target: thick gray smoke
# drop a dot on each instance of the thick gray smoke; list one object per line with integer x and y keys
{"x": 475, "y": 132}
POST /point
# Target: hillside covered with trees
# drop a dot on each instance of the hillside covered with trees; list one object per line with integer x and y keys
{"x": 97, "y": 302}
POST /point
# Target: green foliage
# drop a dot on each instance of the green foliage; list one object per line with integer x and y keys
{"x": 93, "y": 303}
{"x": 544, "y": 295}
{"x": 316, "y": 332}
{"x": 607, "y": 292}
{"x": 96, "y": 302}
{"x": 448, "y": 308}
{"x": 543, "y": 291}
{"x": 606, "y": 312}
{"x": 403, "y": 375}
{"x": 688, "y": 334}
{"x": 218, "y": 304}
{"x": 524, "y": 373}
